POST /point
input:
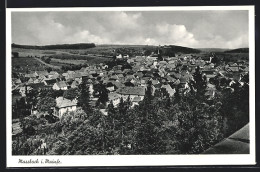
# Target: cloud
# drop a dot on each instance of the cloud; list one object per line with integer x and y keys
{"x": 123, "y": 20}
{"x": 175, "y": 34}
{"x": 85, "y": 36}
{"x": 118, "y": 27}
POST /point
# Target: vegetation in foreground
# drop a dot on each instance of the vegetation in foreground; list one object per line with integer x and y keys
{"x": 184, "y": 124}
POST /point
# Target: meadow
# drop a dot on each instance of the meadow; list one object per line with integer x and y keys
{"x": 26, "y": 64}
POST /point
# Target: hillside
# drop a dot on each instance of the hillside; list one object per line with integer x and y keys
{"x": 57, "y": 46}
{"x": 238, "y": 50}
{"x": 180, "y": 49}
{"x": 213, "y": 50}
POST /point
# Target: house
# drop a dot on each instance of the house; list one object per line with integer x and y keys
{"x": 74, "y": 84}
{"x": 30, "y": 75}
{"x": 117, "y": 84}
{"x": 139, "y": 75}
{"x": 136, "y": 101}
{"x": 131, "y": 92}
{"x": 114, "y": 78}
{"x": 184, "y": 82}
{"x": 18, "y": 81}
{"x": 169, "y": 89}
{"x": 170, "y": 79}
{"x": 53, "y": 73}
{"x": 23, "y": 90}
{"x": 42, "y": 77}
{"x": 65, "y": 75}
{"x": 31, "y": 80}
{"x": 210, "y": 91}
{"x": 64, "y": 105}
{"x": 130, "y": 61}
{"x": 233, "y": 69}
{"x": 119, "y": 56}
{"x": 210, "y": 94}
{"x": 44, "y": 73}
{"x": 154, "y": 82}
{"x": 49, "y": 82}
{"x": 60, "y": 86}
{"x": 39, "y": 86}
{"x": 54, "y": 76}
{"x": 115, "y": 98}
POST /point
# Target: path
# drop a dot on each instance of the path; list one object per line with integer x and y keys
{"x": 49, "y": 65}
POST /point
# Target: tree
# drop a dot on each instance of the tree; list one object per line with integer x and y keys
{"x": 46, "y": 104}
{"x": 102, "y": 92}
{"x": 235, "y": 107}
{"x": 49, "y": 69}
{"x": 198, "y": 125}
{"x": 71, "y": 93}
{"x": 47, "y": 60}
{"x": 147, "y": 52}
{"x": 177, "y": 95}
{"x": 148, "y": 93}
{"x": 199, "y": 84}
{"x": 84, "y": 98}
{"x": 31, "y": 97}
{"x": 50, "y": 93}
{"x": 160, "y": 57}
{"x": 111, "y": 109}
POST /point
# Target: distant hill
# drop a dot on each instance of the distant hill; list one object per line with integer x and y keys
{"x": 213, "y": 50}
{"x": 180, "y": 49}
{"x": 238, "y": 50}
{"x": 57, "y": 46}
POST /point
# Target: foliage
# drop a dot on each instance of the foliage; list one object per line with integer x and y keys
{"x": 51, "y": 93}
{"x": 73, "y": 67}
{"x": 71, "y": 93}
{"x": 84, "y": 97}
{"x": 58, "y": 46}
{"x": 199, "y": 84}
{"x": 101, "y": 92}
{"x": 46, "y": 104}
{"x": 20, "y": 109}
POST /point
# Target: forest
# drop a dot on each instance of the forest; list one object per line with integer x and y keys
{"x": 58, "y": 46}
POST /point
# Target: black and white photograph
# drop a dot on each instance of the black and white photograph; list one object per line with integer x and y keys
{"x": 133, "y": 86}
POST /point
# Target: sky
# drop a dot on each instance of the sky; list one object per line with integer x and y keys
{"x": 196, "y": 29}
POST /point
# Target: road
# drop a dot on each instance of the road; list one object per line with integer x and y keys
{"x": 49, "y": 65}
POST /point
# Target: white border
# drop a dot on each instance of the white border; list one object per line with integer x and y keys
{"x": 134, "y": 160}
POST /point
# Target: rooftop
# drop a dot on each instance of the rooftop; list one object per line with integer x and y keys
{"x": 62, "y": 102}
{"x": 132, "y": 91}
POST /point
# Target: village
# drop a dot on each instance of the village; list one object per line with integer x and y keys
{"x": 168, "y": 73}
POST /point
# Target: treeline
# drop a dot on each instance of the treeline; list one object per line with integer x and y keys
{"x": 180, "y": 49}
{"x": 229, "y": 57}
{"x": 184, "y": 124}
{"x": 58, "y": 46}
{"x": 73, "y": 67}
{"x": 238, "y": 50}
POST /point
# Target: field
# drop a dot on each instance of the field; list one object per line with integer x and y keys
{"x": 67, "y": 56}
{"x": 26, "y": 64}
